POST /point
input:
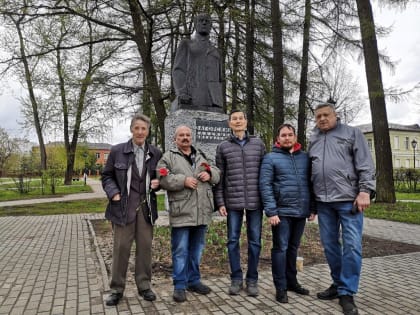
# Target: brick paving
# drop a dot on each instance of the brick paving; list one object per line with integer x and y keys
{"x": 50, "y": 265}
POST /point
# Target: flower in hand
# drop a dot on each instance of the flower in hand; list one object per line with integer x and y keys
{"x": 205, "y": 167}
{"x": 163, "y": 172}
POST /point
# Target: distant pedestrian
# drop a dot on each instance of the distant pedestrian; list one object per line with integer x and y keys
{"x": 129, "y": 180}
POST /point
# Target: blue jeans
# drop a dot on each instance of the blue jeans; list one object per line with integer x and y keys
{"x": 286, "y": 240}
{"x": 187, "y": 244}
{"x": 253, "y": 230}
{"x": 345, "y": 257}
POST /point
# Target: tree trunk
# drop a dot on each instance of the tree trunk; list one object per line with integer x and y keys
{"x": 278, "y": 68}
{"x": 235, "y": 67}
{"x": 145, "y": 50}
{"x": 249, "y": 55}
{"x": 34, "y": 103}
{"x": 384, "y": 171}
{"x": 301, "y": 130}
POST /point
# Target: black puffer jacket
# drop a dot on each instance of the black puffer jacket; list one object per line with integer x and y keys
{"x": 239, "y": 167}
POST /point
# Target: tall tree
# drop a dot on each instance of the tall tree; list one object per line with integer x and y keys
{"x": 278, "y": 69}
{"x": 249, "y": 60}
{"x": 304, "y": 76}
{"x": 19, "y": 19}
{"x": 385, "y": 182}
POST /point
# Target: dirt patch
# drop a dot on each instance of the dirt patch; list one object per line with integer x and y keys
{"x": 215, "y": 258}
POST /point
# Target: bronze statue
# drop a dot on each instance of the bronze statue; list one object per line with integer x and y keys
{"x": 197, "y": 71}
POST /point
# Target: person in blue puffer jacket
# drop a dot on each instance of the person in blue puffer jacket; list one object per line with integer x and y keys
{"x": 285, "y": 192}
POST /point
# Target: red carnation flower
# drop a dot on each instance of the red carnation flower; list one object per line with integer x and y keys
{"x": 163, "y": 172}
{"x": 205, "y": 166}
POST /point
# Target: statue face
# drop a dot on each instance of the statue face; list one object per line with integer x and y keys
{"x": 203, "y": 24}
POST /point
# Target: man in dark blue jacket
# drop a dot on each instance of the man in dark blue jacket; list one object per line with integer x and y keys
{"x": 129, "y": 180}
{"x": 284, "y": 186}
{"x": 237, "y": 194}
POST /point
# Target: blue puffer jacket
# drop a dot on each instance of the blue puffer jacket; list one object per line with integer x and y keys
{"x": 284, "y": 183}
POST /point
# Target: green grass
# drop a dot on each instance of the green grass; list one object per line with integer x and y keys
{"x": 50, "y": 208}
{"x": 408, "y": 212}
{"x": 407, "y": 196}
{"x": 7, "y": 194}
{"x": 65, "y": 207}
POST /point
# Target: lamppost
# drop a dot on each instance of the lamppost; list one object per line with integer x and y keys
{"x": 414, "y": 146}
{"x": 85, "y": 155}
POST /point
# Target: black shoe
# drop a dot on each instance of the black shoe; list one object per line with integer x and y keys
{"x": 113, "y": 299}
{"x": 347, "y": 303}
{"x": 148, "y": 295}
{"x": 298, "y": 289}
{"x": 179, "y": 295}
{"x": 281, "y": 296}
{"x": 199, "y": 288}
{"x": 329, "y": 294}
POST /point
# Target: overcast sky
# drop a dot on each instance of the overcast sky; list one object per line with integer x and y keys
{"x": 402, "y": 45}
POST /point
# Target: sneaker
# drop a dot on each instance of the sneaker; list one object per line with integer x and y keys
{"x": 199, "y": 288}
{"x": 328, "y": 294}
{"x": 298, "y": 289}
{"x": 235, "y": 287}
{"x": 179, "y": 295}
{"x": 252, "y": 288}
{"x": 281, "y": 296}
{"x": 347, "y": 303}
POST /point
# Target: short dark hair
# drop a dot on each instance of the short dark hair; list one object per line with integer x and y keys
{"x": 286, "y": 126}
{"x": 236, "y": 111}
{"x": 141, "y": 117}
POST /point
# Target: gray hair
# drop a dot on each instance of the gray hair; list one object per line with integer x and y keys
{"x": 322, "y": 105}
{"x": 179, "y": 127}
{"x": 141, "y": 117}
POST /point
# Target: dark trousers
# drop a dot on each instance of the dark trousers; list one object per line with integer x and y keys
{"x": 286, "y": 240}
{"x": 142, "y": 233}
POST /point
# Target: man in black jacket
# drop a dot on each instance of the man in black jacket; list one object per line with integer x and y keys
{"x": 129, "y": 180}
{"x": 239, "y": 159}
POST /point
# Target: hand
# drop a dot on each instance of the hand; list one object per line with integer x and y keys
{"x": 154, "y": 183}
{"x": 274, "y": 220}
{"x": 223, "y": 211}
{"x": 312, "y": 217}
{"x": 362, "y": 201}
{"x": 116, "y": 197}
{"x": 203, "y": 176}
{"x": 191, "y": 182}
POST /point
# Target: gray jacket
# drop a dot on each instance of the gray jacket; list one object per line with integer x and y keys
{"x": 187, "y": 207}
{"x": 240, "y": 167}
{"x": 342, "y": 164}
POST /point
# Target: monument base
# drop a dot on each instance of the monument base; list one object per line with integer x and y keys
{"x": 208, "y": 129}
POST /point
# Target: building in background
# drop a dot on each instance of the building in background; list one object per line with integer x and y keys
{"x": 405, "y": 143}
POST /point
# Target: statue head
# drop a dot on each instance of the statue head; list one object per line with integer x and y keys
{"x": 202, "y": 24}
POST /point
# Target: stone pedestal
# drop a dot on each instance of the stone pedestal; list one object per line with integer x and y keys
{"x": 208, "y": 129}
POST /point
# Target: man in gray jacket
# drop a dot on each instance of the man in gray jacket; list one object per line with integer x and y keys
{"x": 188, "y": 177}
{"x": 239, "y": 159}
{"x": 343, "y": 178}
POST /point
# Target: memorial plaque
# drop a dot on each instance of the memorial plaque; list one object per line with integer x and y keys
{"x": 211, "y": 131}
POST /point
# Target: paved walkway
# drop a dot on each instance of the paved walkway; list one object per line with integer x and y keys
{"x": 50, "y": 265}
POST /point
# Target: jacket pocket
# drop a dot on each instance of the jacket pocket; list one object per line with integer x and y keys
{"x": 115, "y": 212}
{"x": 178, "y": 202}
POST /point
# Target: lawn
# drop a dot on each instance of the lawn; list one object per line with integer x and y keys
{"x": 8, "y": 190}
